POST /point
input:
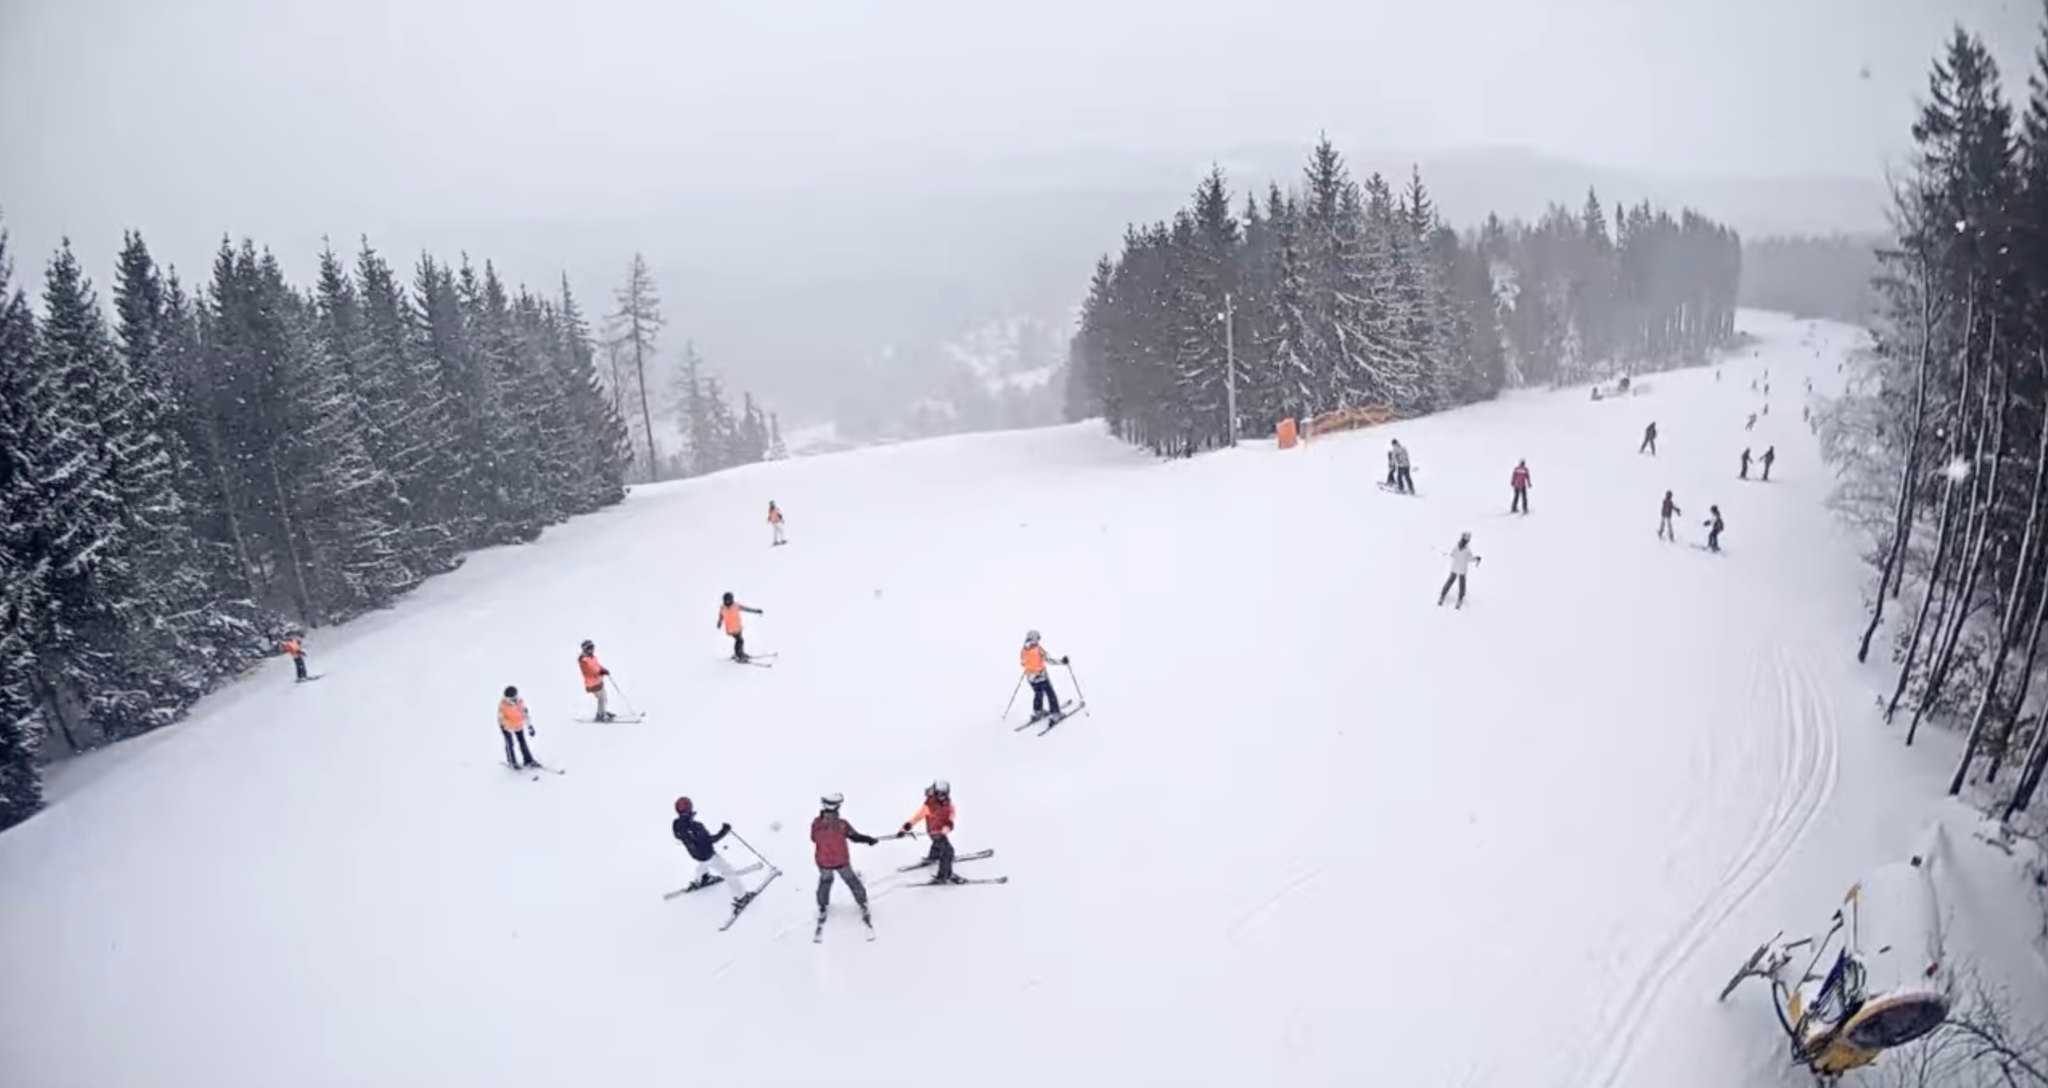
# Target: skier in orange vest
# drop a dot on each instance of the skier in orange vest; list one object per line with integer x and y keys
{"x": 292, "y": 646}
{"x": 775, "y": 523}
{"x": 937, "y": 814}
{"x": 513, "y": 721}
{"x": 594, "y": 674}
{"x": 729, "y": 620}
{"x": 1045, "y": 703}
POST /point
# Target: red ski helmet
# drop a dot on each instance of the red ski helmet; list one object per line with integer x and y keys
{"x": 683, "y": 806}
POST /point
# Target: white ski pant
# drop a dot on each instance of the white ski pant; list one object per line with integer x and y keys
{"x": 716, "y": 865}
{"x": 598, "y": 694}
{"x": 777, "y": 526}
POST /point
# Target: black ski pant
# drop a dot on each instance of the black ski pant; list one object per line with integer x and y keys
{"x": 299, "y": 663}
{"x": 1043, "y": 700}
{"x": 1714, "y": 540}
{"x": 1455, "y": 579}
{"x": 1664, "y": 530}
{"x": 1649, "y": 444}
{"x": 1745, "y": 470}
{"x": 1767, "y": 472}
{"x": 1405, "y": 482}
{"x": 846, "y": 873}
{"x": 528, "y": 756}
{"x": 942, "y": 852}
{"x": 739, "y": 646}
{"x": 1521, "y": 501}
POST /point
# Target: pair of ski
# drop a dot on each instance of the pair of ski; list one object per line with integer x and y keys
{"x": 740, "y": 904}
{"x": 1051, "y": 719}
{"x": 765, "y": 661}
{"x": 957, "y": 859}
{"x": 616, "y": 719}
{"x": 536, "y": 768}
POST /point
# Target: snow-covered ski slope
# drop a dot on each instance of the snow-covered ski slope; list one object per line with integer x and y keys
{"x": 1315, "y": 829}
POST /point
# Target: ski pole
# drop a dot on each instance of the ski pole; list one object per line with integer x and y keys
{"x": 750, "y": 849}
{"x": 1078, "y": 696}
{"x": 1019, "y": 686}
{"x": 630, "y": 708}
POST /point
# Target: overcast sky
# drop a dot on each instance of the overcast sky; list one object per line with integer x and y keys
{"x": 429, "y": 122}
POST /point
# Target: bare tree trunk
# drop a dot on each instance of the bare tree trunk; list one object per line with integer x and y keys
{"x": 291, "y": 549}
{"x": 2026, "y": 581}
{"x": 1936, "y": 572}
{"x": 1974, "y": 549}
{"x": 2036, "y": 766}
{"x": 646, "y": 413}
{"x": 1902, "y": 520}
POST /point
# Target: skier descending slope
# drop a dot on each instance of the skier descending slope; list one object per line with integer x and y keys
{"x": 594, "y": 673}
{"x": 937, "y": 814}
{"x": 1714, "y": 527}
{"x": 703, "y": 847}
{"x": 297, "y": 650}
{"x": 1649, "y": 440}
{"x": 1664, "y": 530}
{"x": 1519, "y": 481}
{"x": 1770, "y": 455}
{"x": 1045, "y": 703}
{"x": 1461, "y": 562}
{"x": 1404, "y": 469}
{"x": 1744, "y": 474}
{"x": 729, "y": 620}
{"x": 513, "y": 721}
{"x": 775, "y": 525}
{"x": 829, "y": 835}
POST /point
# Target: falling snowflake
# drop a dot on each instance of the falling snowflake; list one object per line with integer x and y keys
{"x": 1957, "y": 470}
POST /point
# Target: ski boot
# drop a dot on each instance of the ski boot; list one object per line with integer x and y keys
{"x": 534, "y": 763}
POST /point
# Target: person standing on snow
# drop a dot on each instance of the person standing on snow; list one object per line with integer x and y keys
{"x": 937, "y": 814}
{"x": 775, "y": 523}
{"x": 1770, "y": 455}
{"x": 1714, "y": 527}
{"x": 702, "y": 843}
{"x": 594, "y": 673}
{"x": 513, "y": 721}
{"x": 297, "y": 651}
{"x": 829, "y": 835}
{"x": 1649, "y": 440}
{"x": 1519, "y": 480}
{"x": 1751, "y": 425}
{"x": 1404, "y": 479}
{"x": 1044, "y": 701}
{"x": 1664, "y": 531}
{"x": 729, "y": 620}
{"x": 1745, "y": 463}
{"x": 1461, "y": 562}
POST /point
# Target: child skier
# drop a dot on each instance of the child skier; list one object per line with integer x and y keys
{"x": 937, "y": 814}
{"x": 292, "y": 646}
{"x": 1745, "y": 463}
{"x": 1393, "y": 468}
{"x": 1649, "y": 439}
{"x": 1751, "y": 425}
{"x": 594, "y": 673}
{"x": 829, "y": 835}
{"x": 1770, "y": 455}
{"x": 775, "y": 524}
{"x": 1519, "y": 480}
{"x": 702, "y": 844}
{"x": 1664, "y": 531}
{"x": 1714, "y": 527}
{"x": 513, "y": 721}
{"x": 729, "y": 620}
{"x": 1461, "y": 561}
{"x": 1404, "y": 479}
{"x": 1044, "y": 701}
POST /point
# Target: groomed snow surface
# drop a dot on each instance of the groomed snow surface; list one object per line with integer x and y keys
{"x": 1316, "y": 829}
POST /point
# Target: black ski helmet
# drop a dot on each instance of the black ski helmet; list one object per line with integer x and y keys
{"x": 588, "y": 645}
{"x": 511, "y": 692}
{"x": 728, "y": 596}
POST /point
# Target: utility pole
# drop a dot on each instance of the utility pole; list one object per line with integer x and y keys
{"x": 1230, "y": 360}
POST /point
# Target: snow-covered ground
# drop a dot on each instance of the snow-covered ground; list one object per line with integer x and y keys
{"x": 1315, "y": 830}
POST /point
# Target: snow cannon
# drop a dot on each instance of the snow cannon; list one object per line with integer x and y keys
{"x": 1885, "y": 981}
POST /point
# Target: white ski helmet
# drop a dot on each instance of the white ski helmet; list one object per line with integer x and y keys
{"x": 940, "y": 787}
{"x": 832, "y": 801}
{"x": 1031, "y": 638}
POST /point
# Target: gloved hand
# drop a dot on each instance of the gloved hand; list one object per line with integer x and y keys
{"x": 530, "y": 732}
{"x": 723, "y": 828}
{"x": 904, "y": 831}
{"x": 1063, "y": 661}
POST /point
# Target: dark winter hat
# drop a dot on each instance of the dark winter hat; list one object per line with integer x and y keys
{"x": 511, "y": 692}
{"x": 728, "y": 597}
{"x": 683, "y": 806}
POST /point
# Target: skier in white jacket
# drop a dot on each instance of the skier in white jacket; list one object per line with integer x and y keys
{"x": 1461, "y": 561}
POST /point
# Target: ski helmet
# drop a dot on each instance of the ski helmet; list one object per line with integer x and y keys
{"x": 728, "y": 597}
{"x": 588, "y": 645}
{"x": 683, "y": 806}
{"x": 1031, "y": 638}
{"x": 511, "y": 692}
{"x": 940, "y": 788}
{"x": 832, "y": 801}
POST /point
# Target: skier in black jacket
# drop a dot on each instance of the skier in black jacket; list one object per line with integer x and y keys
{"x": 703, "y": 847}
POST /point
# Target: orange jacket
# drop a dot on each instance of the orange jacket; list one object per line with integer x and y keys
{"x": 593, "y": 673}
{"x": 1033, "y": 660}
{"x": 291, "y": 646}
{"x": 511, "y": 715}
{"x": 729, "y": 616}
{"x": 937, "y": 816}
{"x": 774, "y": 515}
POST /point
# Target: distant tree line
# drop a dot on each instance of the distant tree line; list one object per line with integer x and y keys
{"x": 1942, "y": 440}
{"x": 1832, "y": 276}
{"x": 714, "y": 433}
{"x": 179, "y": 486}
{"x": 1346, "y": 294}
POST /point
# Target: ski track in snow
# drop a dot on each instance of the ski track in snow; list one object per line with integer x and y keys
{"x": 1807, "y": 761}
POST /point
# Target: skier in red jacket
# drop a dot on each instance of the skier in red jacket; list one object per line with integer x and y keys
{"x": 1520, "y": 482}
{"x": 829, "y": 834}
